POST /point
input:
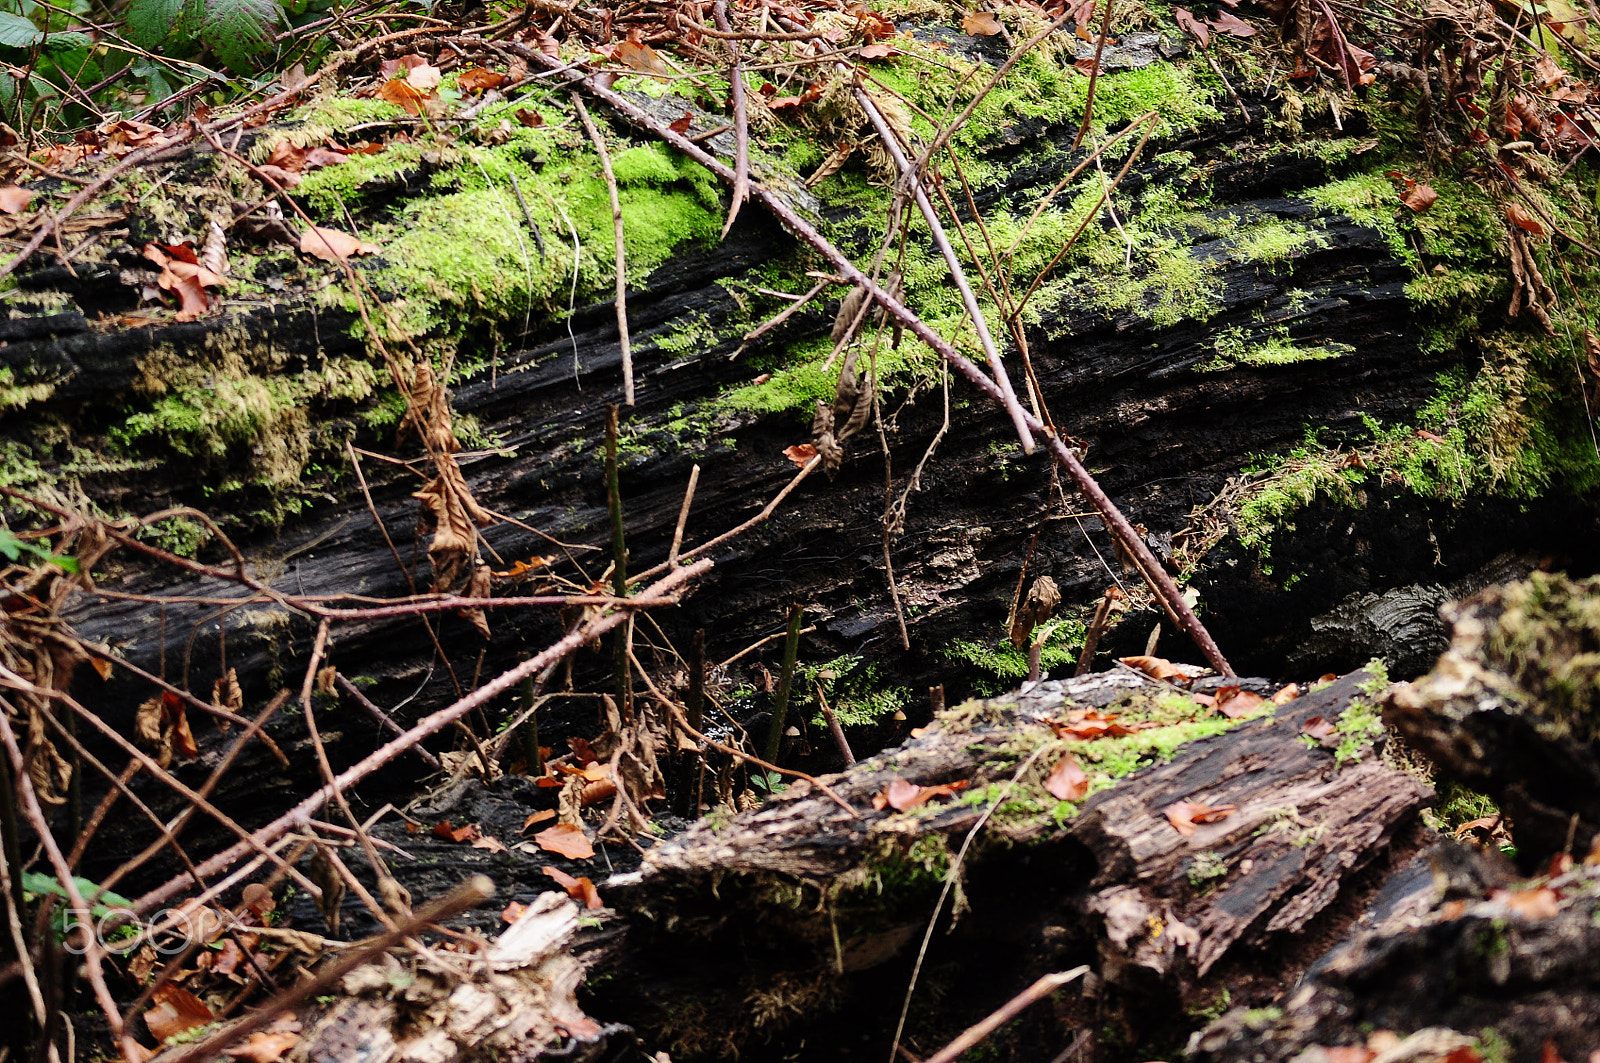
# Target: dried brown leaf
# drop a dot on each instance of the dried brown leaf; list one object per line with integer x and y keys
{"x": 1226, "y": 22}
{"x": 1420, "y": 197}
{"x": 1198, "y": 28}
{"x": 1318, "y": 727}
{"x": 1068, "y": 782}
{"x": 979, "y": 24}
{"x": 264, "y": 1047}
{"x": 579, "y": 889}
{"x": 1518, "y": 216}
{"x": 331, "y": 245}
{"x": 478, "y": 80}
{"x": 565, "y": 839}
{"x": 1154, "y": 667}
{"x": 174, "y": 1010}
{"x": 14, "y": 200}
{"x": 1185, "y": 814}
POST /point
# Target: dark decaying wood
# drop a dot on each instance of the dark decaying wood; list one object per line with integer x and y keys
{"x": 773, "y": 923}
{"x": 1513, "y": 709}
{"x": 1455, "y": 954}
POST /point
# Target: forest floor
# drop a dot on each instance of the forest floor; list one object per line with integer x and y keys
{"x": 270, "y": 268}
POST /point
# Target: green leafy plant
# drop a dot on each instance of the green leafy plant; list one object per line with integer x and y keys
{"x": 237, "y": 31}
{"x": 15, "y": 548}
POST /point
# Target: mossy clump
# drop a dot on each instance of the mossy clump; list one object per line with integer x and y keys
{"x": 1546, "y": 637}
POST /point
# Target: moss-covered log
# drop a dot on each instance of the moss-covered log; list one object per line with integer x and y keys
{"x": 1248, "y": 343}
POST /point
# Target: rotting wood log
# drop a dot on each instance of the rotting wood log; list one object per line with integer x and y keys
{"x": 1508, "y": 978}
{"x": 99, "y": 392}
{"x": 1456, "y": 959}
{"x": 795, "y": 927}
{"x": 799, "y": 923}
{"x": 1512, "y": 709}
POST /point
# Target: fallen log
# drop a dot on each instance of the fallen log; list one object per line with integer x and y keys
{"x": 800, "y": 922}
{"x": 1457, "y": 960}
{"x": 1207, "y": 855}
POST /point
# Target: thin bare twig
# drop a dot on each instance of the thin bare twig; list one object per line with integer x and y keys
{"x": 621, "y": 249}
{"x": 1161, "y": 582}
{"x": 741, "y": 121}
{"x": 1005, "y": 1013}
{"x": 662, "y": 592}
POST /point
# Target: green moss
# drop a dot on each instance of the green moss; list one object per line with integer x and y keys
{"x": 1274, "y": 240}
{"x": 1236, "y": 347}
{"x": 1359, "y": 725}
{"x": 1006, "y": 662}
{"x": 855, "y": 691}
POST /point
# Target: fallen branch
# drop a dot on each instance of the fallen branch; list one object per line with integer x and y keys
{"x": 1161, "y": 582}
{"x": 657, "y": 594}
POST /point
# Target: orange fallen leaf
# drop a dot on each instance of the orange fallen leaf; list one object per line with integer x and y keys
{"x": 1349, "y": 1053}
{"x": 1317, "y": 727}
{"x": 519, "y": 568}
{"x": 1068, "y": 782}
{"x": 264, "y": 1047}
{"x": 14, "y": 200}
{"x": 1530, "y": 904}
{"x": 1154, "y": 667}
{"x": 331, "y": 245}
{"x": 1185, "y": 814}
{"x": 512, "y": 912}
{"x": 582, "y": 750}
{"x": 174, "y": 1010}
{"x": 1236, "y": 703}
{"x": 531, "y": 119}
{"x": 1231, "y": 24}
{"x": 467, "y": 833}
{"x": 1187, "y": 21}
{"x": 489, "y": 843}
{"x": 1287, "y": 694}
{"x": 1420, "y": 198}
{"x": 565, "y": 839}
{"x": 902, "y": 795}
{"x": 183, "y": 276}
{"x": 979, "y": 24}
{"x": 403, "y": 94}
{"x": 801, "y": 453}
{"x": 538, "y": 817}
{"x": 641, "y": 57}
{"x": 682, "y": 124}
{"x": 478, "y": 79}
{"x": 879, "y": 51}
{"x": 1516, "y": 215}
{"x": 579, "y": 889}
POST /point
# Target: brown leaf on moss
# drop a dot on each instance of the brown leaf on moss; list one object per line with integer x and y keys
{"x": 1198, "y": 28}
{"x": 531, "y": 119}
{"x": 1517, "y": 215}
{"x": 1420, "y": 197}
{"x": 1236, "y": 703}
{"x": 174, "y": 1010}
{"x": 979, "y": 24}
{"x": 479, "y": 80}
{"x": 331, "y": 245}
{"x": 1068, "y": 782}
